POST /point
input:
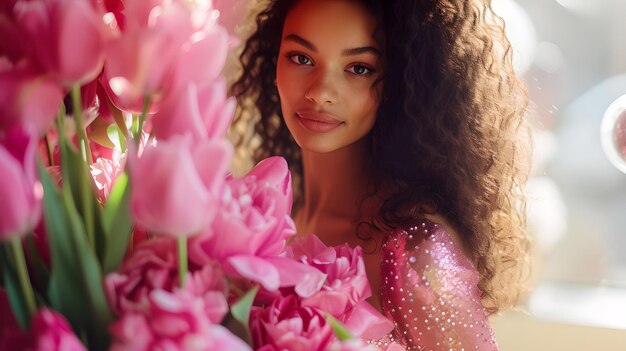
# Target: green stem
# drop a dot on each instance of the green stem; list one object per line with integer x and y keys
{"x": 84, "y": 176}
{"x": 60, "y": 121}
{"x": 49, "y": 150}
{"x": 182, "y": 261}
{"x": 22, "y": 275}
{"x": 142, "y": 119}
{"x": 83, "y": 141}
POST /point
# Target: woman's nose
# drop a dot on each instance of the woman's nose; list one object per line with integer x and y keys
{"x": 322, "y": 89}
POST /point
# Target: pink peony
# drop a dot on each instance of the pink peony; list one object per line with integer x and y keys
{"x": 20, "y": 188}
{"x": 286, "y": 325}
{"x": 256, "y": 208}
{"x": 346, "y": 281}
{"x": 153, "y": 266}
{"x": 105, "y": 172}
{"x": 346, "y": 286}
{"x": 172, "y": 321}
{"x": 176, "y": 185}
{"x": 53, "y": 333}
{"x": 351, "y": 345}
{"x": 67, "y": 38}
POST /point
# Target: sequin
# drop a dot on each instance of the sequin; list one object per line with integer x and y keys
{"x": 429, "y": 289}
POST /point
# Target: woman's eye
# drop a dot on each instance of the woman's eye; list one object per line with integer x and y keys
{"x": 360, "y": 70}
{"x": 300, "y": 59}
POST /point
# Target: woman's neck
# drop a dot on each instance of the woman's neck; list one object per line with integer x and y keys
{"x": 335, "y": 183}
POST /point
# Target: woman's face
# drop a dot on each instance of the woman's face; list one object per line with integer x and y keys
{"x": 327, "y": 65}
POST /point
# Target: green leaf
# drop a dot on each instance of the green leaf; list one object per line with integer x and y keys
{"x": 117, "y": 224}
{"x": 41, "y": 275}
{"x": 78, "y": 181}
{"x": 12, "y": 285}
{"x": 341, "y": 332}
{"x": 241, "y": 309}
{"x": 238, "y": 318}
{"x": 116, "y": 136}
{"x": 75, "y": 288}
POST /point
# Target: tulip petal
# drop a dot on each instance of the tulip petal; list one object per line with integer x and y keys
{"x": 212, "y": 159}
{"x": 28, "y": 99}
{"x": 203, "y": 59}
{"x": 168, "y": 194}
{"x": 80, "y": 43}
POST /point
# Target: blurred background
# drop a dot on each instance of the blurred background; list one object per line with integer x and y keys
{"x": 572, "y": 54}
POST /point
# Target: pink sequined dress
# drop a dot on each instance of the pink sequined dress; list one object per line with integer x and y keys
{"x": 429, "y": 289}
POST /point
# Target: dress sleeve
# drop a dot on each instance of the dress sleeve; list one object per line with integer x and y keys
{"x": 430, "y": 290}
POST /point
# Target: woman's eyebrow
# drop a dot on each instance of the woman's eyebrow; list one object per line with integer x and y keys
{"x": 300, "y": 40}
{"x": 346, "y": 52}
{"x": 361, "y": 50}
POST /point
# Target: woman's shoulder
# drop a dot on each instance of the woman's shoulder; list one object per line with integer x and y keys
{"x": 432, "y": 231}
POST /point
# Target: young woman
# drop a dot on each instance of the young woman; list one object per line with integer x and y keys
{"x": 402, "y": 122}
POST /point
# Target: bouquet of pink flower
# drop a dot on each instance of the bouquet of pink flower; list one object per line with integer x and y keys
{"x": 120, "y": 226}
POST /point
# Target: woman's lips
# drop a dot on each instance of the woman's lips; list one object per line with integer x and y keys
{"x": 317, "y": 121}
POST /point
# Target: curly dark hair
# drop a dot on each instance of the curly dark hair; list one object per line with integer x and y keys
{"x": 450, "y": 134}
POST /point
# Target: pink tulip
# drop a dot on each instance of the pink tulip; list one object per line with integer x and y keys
{"x": 164, "y": 46}
{"x": 232, "y": 12}
{"x": 175, "y": 185}
{"x": 139, "y": 62}
{"x": 27, "y": 99}
{"x": 67, "y": 37}
{"x": 53, "y": 333}
{"x": 20, "y": 189}
{"x": 88, "y": 94}
{"x": 286, "y": 325}
{"x": 202, "y": 111}
{"x": 12, "y": 337}
{"x": 116, "y": 7}
{"x": 153, "y": 266}
{"x": 202, "y": 59}
{"x": 12, "y": 46}
{"x": 172, "y": 321}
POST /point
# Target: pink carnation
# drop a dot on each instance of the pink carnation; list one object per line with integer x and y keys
{"x": 172, "y": 321}
{"x": 287, "y": 325}
{"x": 153, "y": 266}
